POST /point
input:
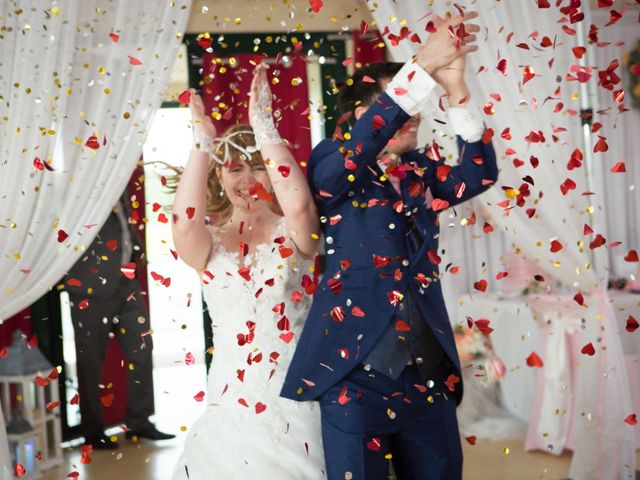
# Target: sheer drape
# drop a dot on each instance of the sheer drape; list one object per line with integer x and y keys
{"x": 536, "y": 130}
{"x": 622, "y": 190}
{"x": 80, "y": 84}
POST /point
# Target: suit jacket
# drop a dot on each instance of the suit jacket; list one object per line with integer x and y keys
{"x": 99, "y": 267}
{"x": 365, "y": 228}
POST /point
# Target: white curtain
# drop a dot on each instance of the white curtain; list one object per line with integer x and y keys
{"x": 514, "y": 32}
{"x": 622, "y": 190}
{"x": 80, "y": 84}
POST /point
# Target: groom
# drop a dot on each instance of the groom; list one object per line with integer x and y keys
{"x": 377, "y": 350}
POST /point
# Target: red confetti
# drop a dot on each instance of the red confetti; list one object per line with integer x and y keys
{"x": 189, "y": 359}
{"x": 134, "y": 61}
{"x": 260, "y": 407}
{"x": 556, "y": 246}
{"x": 286, "y": 337}
{"x": 527, "y": 74}
{"x": 343, "y": 399}
{"x": 107, "y": 400}
{"x": 92, "y": 142}
{"x": 52, "y": 405}
{"x": 245, "y": 273}
{"x": 129, "y": 270}
{"x": 597, "y": 242}
{"x": 471, "y": 440}
{"x": 631, "y": 420}
{"x": 62, "y": 236}
{"x": 285, "y": 251}
{"x": 198, "y": 397}
{"x": 632, "y": 324}
{"x": 567, "y": 185}
{"x": 631, "y": 256}
{"x": 588, "y": 349}
{"x": 576, "y": 159}
{"x": 337, "y": 314}
{"x": 619, "y": 168}
{"x": 114, "y": 38}
{"x": 185, "y": 97}
{"x": 378, "y": 122}
{"x": 502, "y": 66}
{"x": 451, "y": 381}
{"x": 601, "y": 145}
{"x": 438, "y": 204}
{"x": 402, "y": 326}
{"x": 41, "y": 381}
{"x": 20, "y": 471}
{"x": 258, "y": 192}
{"x": 284, "y": 170}
{"x": 316, "y": 5}
{"x": 534, "y": 360}
{"x": 480, "y": 285}
{"x": 374, "y": 444}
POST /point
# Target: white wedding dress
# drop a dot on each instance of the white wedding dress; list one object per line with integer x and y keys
{"x": 248, "y": 431}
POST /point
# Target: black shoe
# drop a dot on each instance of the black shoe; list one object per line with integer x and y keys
{"x": 150, "y": 432}
{"x": 101, "y": 442}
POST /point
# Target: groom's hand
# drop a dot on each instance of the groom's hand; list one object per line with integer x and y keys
{"x": 448, "y": 44}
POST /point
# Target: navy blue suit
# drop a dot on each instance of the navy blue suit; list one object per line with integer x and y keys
{"x": 369, "y": 268}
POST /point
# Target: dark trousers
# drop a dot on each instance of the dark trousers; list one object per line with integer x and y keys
{"x": 402, "y": 421}
{"x": 124, "y": 315}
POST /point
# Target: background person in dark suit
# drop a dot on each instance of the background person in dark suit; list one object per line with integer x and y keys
{"x": 105, "y": 302}
{"x": 377, "y": 350}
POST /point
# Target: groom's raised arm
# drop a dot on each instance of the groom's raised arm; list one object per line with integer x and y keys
{"x": 338, "y": 167}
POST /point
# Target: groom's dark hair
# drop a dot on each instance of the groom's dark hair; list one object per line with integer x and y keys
{"x": 358, "y": 92}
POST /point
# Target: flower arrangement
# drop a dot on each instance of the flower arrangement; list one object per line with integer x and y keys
{"x": 474, "y": 348}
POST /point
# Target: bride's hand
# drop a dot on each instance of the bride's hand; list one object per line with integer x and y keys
{"x": 201, "y": 120}
{"x": 261, "y": 97}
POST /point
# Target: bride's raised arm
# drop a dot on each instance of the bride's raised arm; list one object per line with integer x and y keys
{"x": 190, "y": 234}
{"x": 289, "y": 183}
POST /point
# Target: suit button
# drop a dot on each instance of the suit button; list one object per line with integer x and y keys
{"x": 419, "y": 361}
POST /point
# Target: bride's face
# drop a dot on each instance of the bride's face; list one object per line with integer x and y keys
{"x": 241, "y": 182}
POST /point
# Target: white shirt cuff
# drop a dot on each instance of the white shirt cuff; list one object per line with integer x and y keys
{"x": 465, "y": 124}
{"x": 410, "y": 88}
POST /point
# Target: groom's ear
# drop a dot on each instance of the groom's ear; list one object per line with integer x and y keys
{"x": 359, "y": 111}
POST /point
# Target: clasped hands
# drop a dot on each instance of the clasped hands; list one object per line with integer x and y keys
{"x": 444, "y": 53}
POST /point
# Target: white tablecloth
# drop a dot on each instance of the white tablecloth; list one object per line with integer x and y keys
{"x": 516, "y": 335}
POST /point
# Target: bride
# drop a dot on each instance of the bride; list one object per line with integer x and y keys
{"x": 255, "y": 262}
